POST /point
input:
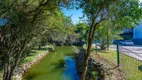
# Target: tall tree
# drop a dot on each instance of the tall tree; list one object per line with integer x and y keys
{"x": 123, "y": 11}
{"x": 60, "y": 30}
{"x": 105, "y": 35}
{"x": 81, "y": 30}
{"x": 26, "y": 21}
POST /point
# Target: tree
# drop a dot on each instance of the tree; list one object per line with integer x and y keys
{"x": 121, "y": 11}
{"x": 61, "y": 29}
{"x": 26, "y": 21}
{"x": 81, "y": 29}
{"x": 106, "y": 35}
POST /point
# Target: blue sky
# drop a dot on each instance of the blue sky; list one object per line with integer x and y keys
{"x": 75, "y": 14}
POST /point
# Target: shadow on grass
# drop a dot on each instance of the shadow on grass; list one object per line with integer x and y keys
{"x": 58, "y": 65}
{"x": 33, "y": 52}
{"x": 140, "y": 67}
{"x": 69, "y": 54}
{"x": 31, "y": 75}
{"x": 1, "y": 68}
{"x": 102, "y": 51}
{"x": 43, "y": 49}
{"x": 112, "y": 68}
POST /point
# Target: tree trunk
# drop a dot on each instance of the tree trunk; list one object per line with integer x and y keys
{"x": 83, "y": 76}
{"x": 39, "y": 47}
{"x": 107, "y": 40}
{"x": 85, "y": 66}
{"x": 96, "y": 48}
{"x": 10, "y": 64}
{"x": 90, "y": 40}
{"x": 7, "y": 74}
{"x": 103, "y": 47}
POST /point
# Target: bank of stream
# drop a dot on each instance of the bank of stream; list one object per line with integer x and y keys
{"x": 57, "y": 65}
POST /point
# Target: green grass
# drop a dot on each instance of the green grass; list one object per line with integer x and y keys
{"x": 109, "y": 55}
{"x": 51, "y": 66}
{"x": 34, "y": 53}
{"x": 29, "y": 58}
{"x": 130, "y": 66}
{"x": 1, "y": 75}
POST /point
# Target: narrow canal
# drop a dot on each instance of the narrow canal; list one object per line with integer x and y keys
{"x": 57, "y": 65}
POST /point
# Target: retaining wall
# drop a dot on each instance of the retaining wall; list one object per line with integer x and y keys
{"x": 18, "y": 74}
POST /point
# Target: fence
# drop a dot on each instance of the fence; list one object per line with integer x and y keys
{"x": 131, "y": 61}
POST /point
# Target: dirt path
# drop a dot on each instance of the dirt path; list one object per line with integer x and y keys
{"x": 112, "y": 71}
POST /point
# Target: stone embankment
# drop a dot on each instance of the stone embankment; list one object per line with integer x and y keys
{"x": 98, "y": 68}
{"x": 19, "y": 72}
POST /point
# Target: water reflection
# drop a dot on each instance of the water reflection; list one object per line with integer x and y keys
{"x": 70, "y": 71}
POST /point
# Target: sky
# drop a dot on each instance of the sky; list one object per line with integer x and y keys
{"x": 75, "y": 14}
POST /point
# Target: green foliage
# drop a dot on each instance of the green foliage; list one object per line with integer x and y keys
{"x": 81, "y": 30}
{"x": 61, "y": 29}
{"x": 122, "y": 13}
{"x": 29, "y": 22}
{"x": 128, "y": 13}
{"x": 109, "y": 33}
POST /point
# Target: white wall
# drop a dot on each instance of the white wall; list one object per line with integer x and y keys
{"x": 138, "y": 31}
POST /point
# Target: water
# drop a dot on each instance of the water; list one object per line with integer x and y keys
{"x": 70, "y": 71}
{"x": 51, "y": 67}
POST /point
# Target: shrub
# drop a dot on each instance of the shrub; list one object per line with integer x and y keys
{"x": 50, "y": 48}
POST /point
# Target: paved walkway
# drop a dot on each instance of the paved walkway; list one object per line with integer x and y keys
{"x": 133, "y": 51}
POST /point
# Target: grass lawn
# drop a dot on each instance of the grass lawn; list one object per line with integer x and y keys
{"x": 130, "y": 66}
{"x": 32, "y": 55}
{"x": 1, "y": 75}
{"x": 51, "y": 67}
{"x": 109, "y": 55}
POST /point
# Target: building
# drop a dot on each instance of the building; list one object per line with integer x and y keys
{"x": 137, "y": 34}
{"x": 133, "y": 34}
{"x": 127, "y": 34}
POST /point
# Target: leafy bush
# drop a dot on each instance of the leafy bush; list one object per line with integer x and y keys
{"x": 50, "y": 48}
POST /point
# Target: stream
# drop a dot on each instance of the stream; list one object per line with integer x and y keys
{"x": 70, "y": 72}
{"x": 57, "y": 65}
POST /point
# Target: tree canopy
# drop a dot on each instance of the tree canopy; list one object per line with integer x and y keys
{"x": 29, "y": 23}
{"x": 122, "y": 13}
